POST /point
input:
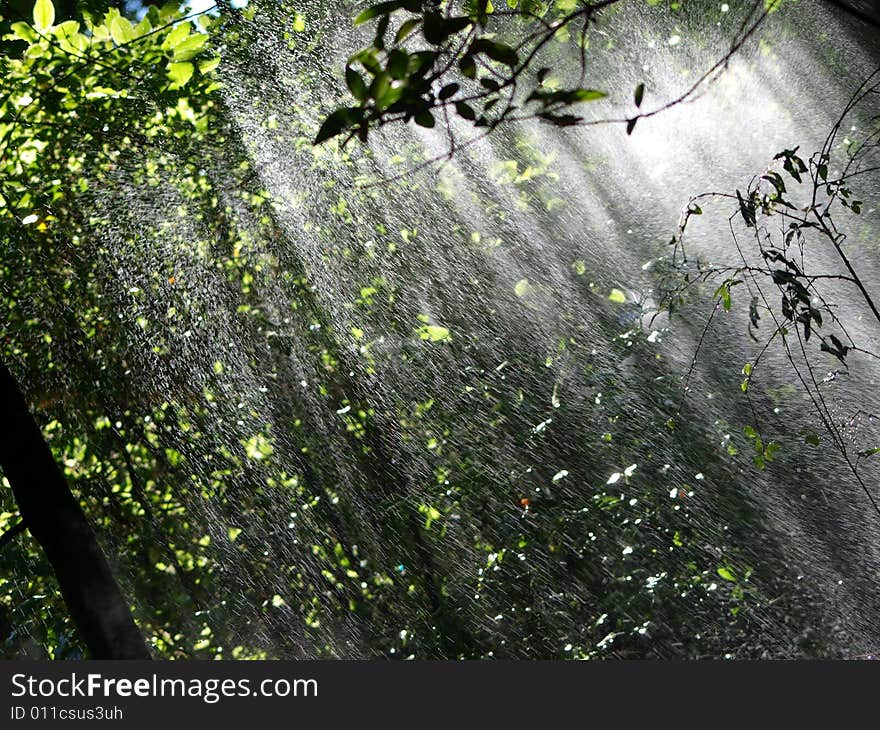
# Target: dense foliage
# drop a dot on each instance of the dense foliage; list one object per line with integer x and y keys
{"x": 388, "y": 468}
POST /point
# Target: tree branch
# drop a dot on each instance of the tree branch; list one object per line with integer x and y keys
{"x": 11, "y": 533}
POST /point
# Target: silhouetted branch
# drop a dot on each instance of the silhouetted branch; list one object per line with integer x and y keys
{"x": 11, "y": 533}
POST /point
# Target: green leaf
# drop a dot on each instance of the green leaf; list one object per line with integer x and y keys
{"x": 522, "y": 288}
{"x": 178, "y": 34}
{"x": 334, "y": 125}
{"x": 468, "y": 66}
{"x": 406, "y": 28}
{"x": 421, "y": 62}
{"x": 727, "y": 574}
{"x": 465, "y": 111}
{"x": 496, "y": 51}
{"x": 433, "y": 333}
{"x": 209, "y": 64}
{"x": 192, "y": 46}
{"x": 747, "y": 371}
{"x": 617, "y": 296}
{"x": 639, "y": 94}
{"x": 723, "y": 292}
{"x": 120, "y": 30}
{"x": 24, "y": 32}
{"x": 379, "y": 87}
{"x": 448, "y": 91}
{"x": 381, "y": 30}
{"x": 44, "y": 15}
{"x": 587, "y": 95}
{"x": 398, "y": 64}
{"x": 437, "y": 28}
{"x": 356, "y": 84}
{"x": 69, "y": 37}
{"x": 432, "y": 514}
{"x": 368, "y": 59}
{"x": 425, "y": 119}
{"x": 746, "y": 210}
{"x": 180, "y": 73}
{"x": 381, "y": 9}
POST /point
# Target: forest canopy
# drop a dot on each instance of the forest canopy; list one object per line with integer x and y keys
{"x": 439, "y": 330}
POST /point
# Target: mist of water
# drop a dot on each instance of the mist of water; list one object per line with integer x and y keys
{"x": 546, "y": 388}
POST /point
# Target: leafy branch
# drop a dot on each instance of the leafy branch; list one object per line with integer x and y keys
{"x": 791, "y": 214}
{"x": 425, "y": 63}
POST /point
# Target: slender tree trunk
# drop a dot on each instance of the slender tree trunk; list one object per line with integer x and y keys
{"x": 56, "y": 520}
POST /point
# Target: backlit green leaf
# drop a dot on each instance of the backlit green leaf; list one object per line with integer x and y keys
{"x": 44, "y": 14}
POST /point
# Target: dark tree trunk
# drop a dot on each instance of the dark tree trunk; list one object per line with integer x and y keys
{"x": 55, "y": 519}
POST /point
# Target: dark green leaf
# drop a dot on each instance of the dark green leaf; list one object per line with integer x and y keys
{"x": 437, "y": 28}
{"x": 496, "y": 51}
{"x": 448, "y": 91}
{"x": 381, "y": 29}
{"x": 375, "y": 11}
{"x": 368, "y": 59}
{"x": 421, "y": 62}
{"x": 398, "y": 64}
{"x": 468, "y": 66}
{"x": 406, "y": 28}
{"x": 335, "y": 124}
{"x": 425, "y": 119}
{"x": 465, "y": 111}
{"x": 355, "y": 84}
{"x": 747, "y": 210}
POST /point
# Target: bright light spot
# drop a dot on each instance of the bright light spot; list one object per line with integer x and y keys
{"x": 725, "y": 8}
{"x": 614, "y": 478}
{"x": 28, "y": 219}
{"x": 674, "y": 40}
